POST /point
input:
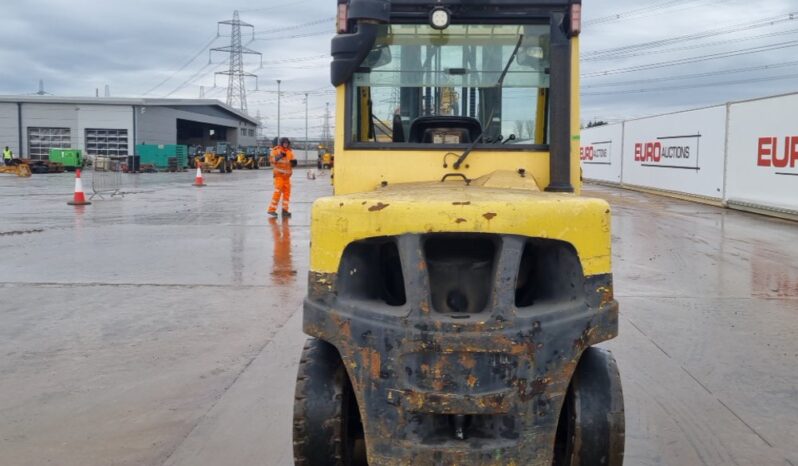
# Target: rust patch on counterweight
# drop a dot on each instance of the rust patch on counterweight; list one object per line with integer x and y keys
{"x": 378, "y": 207}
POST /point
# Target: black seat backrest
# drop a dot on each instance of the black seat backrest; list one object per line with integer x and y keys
{"x": 421, "y": 126}
{"x": 398, "y": 129}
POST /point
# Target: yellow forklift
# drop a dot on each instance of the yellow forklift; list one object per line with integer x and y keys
{"x": 458, "y": 280}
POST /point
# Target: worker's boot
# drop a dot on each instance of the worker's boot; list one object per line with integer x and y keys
{"x": 286, "y": 214}
{"x": 273, "y": 214}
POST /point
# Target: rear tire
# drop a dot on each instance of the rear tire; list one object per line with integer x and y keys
{"x": 591, "y": 429}
{"x": 327, "y": 426}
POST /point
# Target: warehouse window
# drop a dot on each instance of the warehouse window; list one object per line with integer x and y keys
{"x": 41, "y": 140}
{"x": 110, "y": 142}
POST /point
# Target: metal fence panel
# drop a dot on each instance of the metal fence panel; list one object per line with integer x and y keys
{"x": 107, "y": 176}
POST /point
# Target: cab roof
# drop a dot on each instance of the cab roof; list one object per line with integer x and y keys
{"x": 463, "y": 11}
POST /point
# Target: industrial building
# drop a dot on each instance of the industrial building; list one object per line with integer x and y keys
{"x": 32, "y": 125}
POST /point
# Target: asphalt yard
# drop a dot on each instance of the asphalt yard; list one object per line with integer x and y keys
{"x": 164, "y": 327}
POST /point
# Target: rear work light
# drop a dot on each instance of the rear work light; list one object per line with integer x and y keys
{"x": 343, "y": 15}
{"x": 576, "y": 19}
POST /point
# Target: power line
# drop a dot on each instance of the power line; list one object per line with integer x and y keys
{"x": 185, "y": 65}
{"x": 327, "y": 20}
{"x": 702, "y": 58}
{"x": 295, "y": 60}
{"x": 699, "y": 46}
{"x": 296, "y": 36}
{"x": 193, "y": 77}
{"x": 692, "y": 76}
{"x": 619, "y": 51}
{"x": 637, "y": 12}
{"x": 692, "y": 86}
{"x": 190, "y": 79}
{"x": 274, "y": 7}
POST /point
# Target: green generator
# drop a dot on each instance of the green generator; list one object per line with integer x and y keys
{"x": 69, "y": 158}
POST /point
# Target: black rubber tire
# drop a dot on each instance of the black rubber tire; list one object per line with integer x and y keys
{"x": 327, "y": 428}
{"x": 591, "y": 430}
{"x": 39, "y": 169}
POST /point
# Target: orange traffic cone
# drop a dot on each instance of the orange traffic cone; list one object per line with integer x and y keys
{"x": 198, "y": 181}
{"x": 80, "y": 197}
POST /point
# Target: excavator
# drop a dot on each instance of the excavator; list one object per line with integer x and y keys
{"x": 459, "y": 281}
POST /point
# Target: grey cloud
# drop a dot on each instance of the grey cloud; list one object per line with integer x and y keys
{"x": 77, "y": 46}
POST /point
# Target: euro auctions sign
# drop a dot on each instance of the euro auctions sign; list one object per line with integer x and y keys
{"x": 598, "y": 153}
{"x": 669, "y": 152}
{"x": 779, "y": 154}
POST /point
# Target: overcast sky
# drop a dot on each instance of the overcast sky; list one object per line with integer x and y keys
{"x": 147, "y": 46}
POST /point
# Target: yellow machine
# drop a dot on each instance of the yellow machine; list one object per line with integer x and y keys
{"x": 263, "y": 157}
{"x": 325, "y": 159}
{"x": 19, "y": 169}
{"x": 244, "y": 161}
{"x": 458, "y": 281}
{"x": 216, "y": 158}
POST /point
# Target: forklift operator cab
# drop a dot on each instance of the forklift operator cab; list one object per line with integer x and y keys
{"x": 458, "y": 281}
{"x": 509, "y": 88}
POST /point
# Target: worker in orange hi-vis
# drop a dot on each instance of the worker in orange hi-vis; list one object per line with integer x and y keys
{"x": 282, "y": 160}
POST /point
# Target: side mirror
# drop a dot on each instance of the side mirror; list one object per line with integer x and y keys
{"x": 378, "y": 57}
{"x": 534, "y": 50}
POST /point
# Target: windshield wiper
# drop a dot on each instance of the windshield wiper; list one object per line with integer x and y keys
{"x": 499, "y": 83}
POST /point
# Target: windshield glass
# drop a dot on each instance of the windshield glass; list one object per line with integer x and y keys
{"x": 422, "y": 85}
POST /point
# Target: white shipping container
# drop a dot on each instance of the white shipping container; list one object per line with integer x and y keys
{"x": 762, "y": 166}
{"x": 679, "y": 152}
{"x": 601, "y": 153}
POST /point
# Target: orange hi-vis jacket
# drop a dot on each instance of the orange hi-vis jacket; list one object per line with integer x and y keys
{"x": 282, "y": 167}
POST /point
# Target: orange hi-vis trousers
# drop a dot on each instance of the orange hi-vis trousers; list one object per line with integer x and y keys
{"x": 282, "y": 187}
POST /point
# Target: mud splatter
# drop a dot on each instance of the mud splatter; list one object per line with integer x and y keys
{"x": 378, "y": 207}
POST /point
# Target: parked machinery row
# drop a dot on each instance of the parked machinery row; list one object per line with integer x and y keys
{"x": 226, "y": 158}
{"x": 154, "y": 157}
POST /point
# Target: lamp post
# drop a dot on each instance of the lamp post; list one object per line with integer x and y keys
{"x": 278, "y": 110}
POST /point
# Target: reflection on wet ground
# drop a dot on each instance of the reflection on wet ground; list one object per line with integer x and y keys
{"x": 709, "y": 314}
{"x": 283, "y": 268}
{"x": 124, "y": 322}
{"x": 163, "y": 328}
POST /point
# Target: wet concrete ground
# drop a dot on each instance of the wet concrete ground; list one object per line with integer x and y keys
{"x": 164, "y": 328}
